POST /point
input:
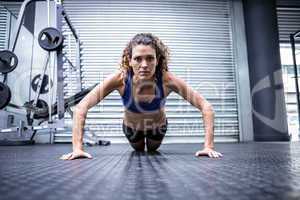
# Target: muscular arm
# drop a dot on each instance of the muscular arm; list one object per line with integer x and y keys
{"x": 177, "y": 85}
{"x": 111, "y": 83}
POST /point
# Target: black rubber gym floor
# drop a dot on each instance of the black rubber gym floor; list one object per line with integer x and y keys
{"x": 247, "y": 171}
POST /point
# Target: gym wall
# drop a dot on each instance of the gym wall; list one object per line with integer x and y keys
{"x": 3, "y": 16}
{"x": 288, "y": 19}
{"x": 200, "y": 37}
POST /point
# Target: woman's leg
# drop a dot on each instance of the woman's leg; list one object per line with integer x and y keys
{"x": 154, "y": 137}
{"x": 152, "y": 145}
{"x": 138, "y": 146}
{"x": 135, "y": 138}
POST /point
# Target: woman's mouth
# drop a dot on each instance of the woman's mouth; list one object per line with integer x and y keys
{"x": 144, "y": 73}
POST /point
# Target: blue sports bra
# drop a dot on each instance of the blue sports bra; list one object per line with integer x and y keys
{"x": 139, "y": 107}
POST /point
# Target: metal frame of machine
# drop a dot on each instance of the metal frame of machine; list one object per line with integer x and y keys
{"x": 53, "y": 124}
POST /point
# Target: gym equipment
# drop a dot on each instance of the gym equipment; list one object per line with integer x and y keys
{"x": 103, "y": 142}
{"x": 8, "y": 61}
{"x": 5, "y": 95}
{"x": 38, "y": 110}
{"x": 50, "y": 39}
{"x": 69, "y": 102}
{"x": 294, "y": 38}
{"x": 20, "y": 123}
{"x": 44, "y": 83}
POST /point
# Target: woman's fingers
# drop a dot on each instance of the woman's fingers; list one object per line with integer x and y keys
{"x": 87, "y": 155}
{"x": 200, "y": 153}
{"x": 73, "y": 156}
{"x": 215, "y": 154}
{"x": 66, "y": 156}
{"x": 219, "y": 154}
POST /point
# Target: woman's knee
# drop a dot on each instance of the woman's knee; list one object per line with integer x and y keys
{"x": 152, "y": 145}
{"x": 138, "y": 146}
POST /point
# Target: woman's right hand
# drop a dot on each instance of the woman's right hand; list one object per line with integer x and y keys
{"x": 76, "y": 154}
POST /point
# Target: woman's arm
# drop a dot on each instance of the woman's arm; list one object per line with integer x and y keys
{"x": 111, "y": 83}
{"x": 179, "y": 86}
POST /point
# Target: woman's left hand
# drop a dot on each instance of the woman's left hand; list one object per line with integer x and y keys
{"x": 209, "y": 152}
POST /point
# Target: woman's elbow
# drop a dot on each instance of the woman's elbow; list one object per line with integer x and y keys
{"x": 208, "y": 109}
{"x": 80, "y": 111}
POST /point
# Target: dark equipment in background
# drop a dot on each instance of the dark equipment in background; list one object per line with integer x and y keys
{"x": 5, "y": 95}
{"x": 8, "y": 61}
{"x": 50, "y": 39}
{"x": 20, "y": 123}
{"x": 293, "y": 40}
{"x": 44, "y": 83}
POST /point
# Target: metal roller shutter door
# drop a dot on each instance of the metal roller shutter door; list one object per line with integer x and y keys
{"x": 288, "y": 22}
{"x": 3, "y": 21}
{"x": 199, "y": 36}
{"x": 14, "y": 8}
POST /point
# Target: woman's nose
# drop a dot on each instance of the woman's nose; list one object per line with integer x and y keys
{"x": 144, "y": 63}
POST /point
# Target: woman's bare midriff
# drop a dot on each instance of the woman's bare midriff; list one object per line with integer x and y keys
{"x": 145, "y": 121}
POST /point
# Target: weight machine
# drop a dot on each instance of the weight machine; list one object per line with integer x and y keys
{"x": 37, "y": 114}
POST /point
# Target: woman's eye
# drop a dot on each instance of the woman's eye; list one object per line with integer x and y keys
{"x": 138, "y": 59}
{"x": 150, "y": 59}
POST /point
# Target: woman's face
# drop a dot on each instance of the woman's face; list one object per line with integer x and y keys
{"x": 143, "y": 61}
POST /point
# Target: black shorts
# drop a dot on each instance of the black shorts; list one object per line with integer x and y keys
{"x": 136, "y": 136}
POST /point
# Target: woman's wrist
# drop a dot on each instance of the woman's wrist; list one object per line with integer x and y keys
{"x": 78, "y": 147}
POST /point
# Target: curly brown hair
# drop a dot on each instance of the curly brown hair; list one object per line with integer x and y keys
{"x": 162, "y": 51}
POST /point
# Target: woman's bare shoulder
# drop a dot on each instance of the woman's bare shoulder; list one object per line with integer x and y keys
{"x": 118, "y": 77}
{"x": 168, "y": 81}
{"x": 173, "y": 82}
{"x": 169, "y": 77}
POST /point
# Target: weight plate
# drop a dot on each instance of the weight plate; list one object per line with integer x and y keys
{"x": 44, "y": 86}
{"x": 5, "y": 95}
{"x": 40, "y": 109}
{"x": 8, "y": 61}
{"x": 50, "y": 39}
